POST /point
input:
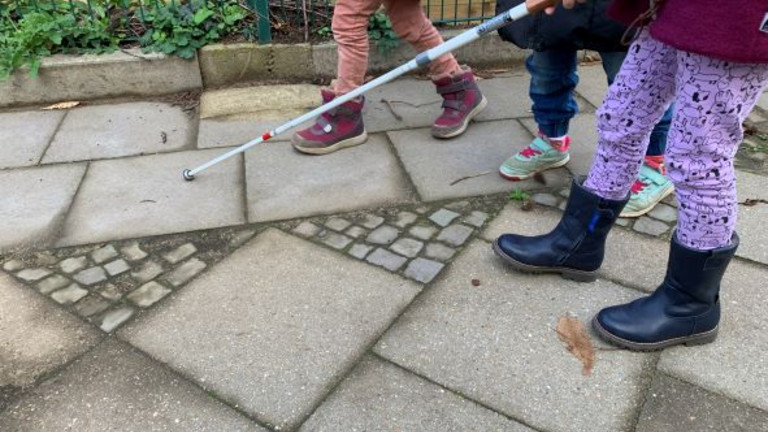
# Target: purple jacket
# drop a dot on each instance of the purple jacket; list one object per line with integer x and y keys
{"x": 728, "y": 30}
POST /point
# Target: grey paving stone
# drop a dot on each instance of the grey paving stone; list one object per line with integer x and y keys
{"x": 147, "y": 271}
{"x": 404, "y": 219}
{"x": 407, "y": 247}
{"x": 13, "y": 265}
{"x": 35, "y": 202}
{"x": 337, "y": 224}
{"x": 114, "y": 318}
{"x": 484, "y": 341}
{"x": 91, "y": 276}
{"x": 225, "y": 132}
{"x": 359, "y": 251}
{"x": 36, "y": 336}
{"x": 649, "y": 226}
{"x": 476, "y": 219}
{"x": 625, "y": 222}
{"x": 115, "y": 388}
{"x": 111, "y": 292}
{"x": 434, "y": 165}
{"x": 439, "y": 252}
{"x": 734, "y": 365}
{"x": 388, "y": 260}
{"x": 423, "y": 270}
{"x": 672, "y": 405}
{"x": 337, "y": 241}
{"x": 356, "y": 232}
{"x": 117, "y": 267}
{"x": 372, "y": 221}
{"x": 69, "y": 295}
{"x": 108, "y": 131}
{"x": 183, "y": 273}
{"x": 664, "y": 213}
{"x": 32, "y": 275}
{"x": 103, "y": 254}
{"x": 458, "y": 206}
{"x": 383, "y": 235}
{"x": 443, "y": 217}
{"x": 545, "y": 199}
{"x": 133, "y": 252}
{"x": 91, "y": 305}
{"x": 306, "y": 229}
{"x": 378, "y": 396}
{"x": 143, "y": 196}
{"x": 455, "y": 235}
{"x": 592, "y": 83}
{"x": 25, "y": 136}
{"x": 180, "y": 253}
{"x": 421, "y": 210}
{"x": 284, "y": 185}
{"x": 314, "y": 322}
{"x": 52, "y": 283}
{"x": 240, "y": 238}
{"x": 751, "y": 221}
{"x": 422, "y": 232}
{"x": 148, "y": 294}
{"x": 71, "y": 265}
{"x": 583, "y": 133}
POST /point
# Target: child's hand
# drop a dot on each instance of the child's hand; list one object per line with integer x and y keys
{"x": 568, "y": 4}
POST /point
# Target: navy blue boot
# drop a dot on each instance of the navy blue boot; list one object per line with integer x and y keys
{"x": 575, "y": 248}
{"x": 685, "y": 309}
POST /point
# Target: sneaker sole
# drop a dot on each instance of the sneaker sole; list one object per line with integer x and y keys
{"x": 349, "y": 142}
{"x": 472, "y": 114}
{"x": 697, "y": 339}
{"x": 639, "y": 213}
{"x": 571, "y": 274}
{"x": 546, "y": 168}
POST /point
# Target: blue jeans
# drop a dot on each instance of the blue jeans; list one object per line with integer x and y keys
{"x": 553, "y": 80}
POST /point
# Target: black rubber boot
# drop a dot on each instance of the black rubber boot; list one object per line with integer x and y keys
{"x": 685, "y": 309}
{"x": 575, "y": 248}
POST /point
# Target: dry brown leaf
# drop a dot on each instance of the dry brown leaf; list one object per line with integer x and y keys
{"x": 62, "y": 105}
{"x": 571, "y": 332}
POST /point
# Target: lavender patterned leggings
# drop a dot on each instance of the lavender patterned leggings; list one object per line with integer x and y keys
{"x": 712, "y": 99}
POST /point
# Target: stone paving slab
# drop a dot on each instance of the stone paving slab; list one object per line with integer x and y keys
{"x": 271, "y": 336}
{"x": 115, "y": 388}
{"x": 110, "y": 131}
{"x": 496, "y": 343}
{"x": 34, "y": 203}
{"x": 751, "y": 221}
{"x": 735, "y": 365}
{"x": 672, "y": 405}
{"x": 284, "y": 184}
{"x": 35, "y": 336}
{"x": 583, "y": 133}
{"x": 379, "y": 396}
{"x": 592, "y": 83}
{"x": 26, "y": 135}
{"x": 433, "y": 165}
{"x": 141, "y": 196}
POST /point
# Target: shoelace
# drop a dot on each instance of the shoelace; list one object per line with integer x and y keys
{"x": 529, "y": 152}
{"x": 638, "y": 187}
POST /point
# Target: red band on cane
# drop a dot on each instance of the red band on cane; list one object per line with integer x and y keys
{"x": 266, "y": 136}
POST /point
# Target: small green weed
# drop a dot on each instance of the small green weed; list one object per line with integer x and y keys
{"x": 519, "y": 195}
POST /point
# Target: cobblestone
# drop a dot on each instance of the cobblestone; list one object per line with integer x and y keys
{"x": 180, "y": 253}
{"x": 71, "y": 265}
{"x": 240, "y": 238}
{"x": 91, "y": 305}
{"x": 476, "y": 219}
{"x": 439, "y": 252}
{"x": 117, "y": 267}
{"x": 388, "y": 260}
{"x": 133, "y": 252}
{"x": 111, "y": 292}
{"x": 565, "y": 193}
{"x": 383, "y": 235}
{"x": 337, "y": 241}
{"x": 421, "y": 210}
{"x": 359, "y": 251}
{"x": 625, "y": 222}
{"x": 13, "y": 265}
{"x": 112, "y": 319}
{"x": 664, "y": 213}
{"x": 69, "y": 295}
{"x": 147, "y": 272}
{"x": 103, "y": 254}
{"x": 455, "y": 235}
{"x": 356, "y": 232}
{"x": 337, "y": 224}
{"x": 52, "y": 283}
{"x": 372, "y": 221}
{"x": 32, "y": 275}
{"x": 443, "y": 217}
{"x": 91, "y": 276}
{"x": 423, "y": 270}
{"x": 405, "y": 218}
{"x": 407, "y": 247}
{"x": 545, "y": 199}
{"x": 306, "y": 229}
{"x": 148, "y": 294}
{"x": 185, "y": 272}
{"x": 647, "y": 225}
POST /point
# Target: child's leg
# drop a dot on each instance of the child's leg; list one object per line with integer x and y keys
{"x": 713, "y": 99}
{"x": 350, "y": 30}
{"x": 634, "y": 104}
{"x": 412, "y": 25}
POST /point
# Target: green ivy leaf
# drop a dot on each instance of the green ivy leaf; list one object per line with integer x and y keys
{"x": 202, "y": 15}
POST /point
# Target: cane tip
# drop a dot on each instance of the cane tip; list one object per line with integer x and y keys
{"x": 187, "y": 174}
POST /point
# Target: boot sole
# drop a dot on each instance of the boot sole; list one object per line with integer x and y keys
{"x": 571, "y": 274}
{"x": 697, "y": 339}
{"x": 548, "y": 167}
{"x": 647, "y": 209}
{"x": 472, "y": 114}
{"x": 349, "y": 142}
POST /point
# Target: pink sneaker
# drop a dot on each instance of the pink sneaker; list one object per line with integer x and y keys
{"x": 334, "y": 130}
{"x": 462, "y": 101}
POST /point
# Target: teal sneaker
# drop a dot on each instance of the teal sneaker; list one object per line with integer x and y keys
{"x": 649, "y": 189}
{"x": 540, "y": 155}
